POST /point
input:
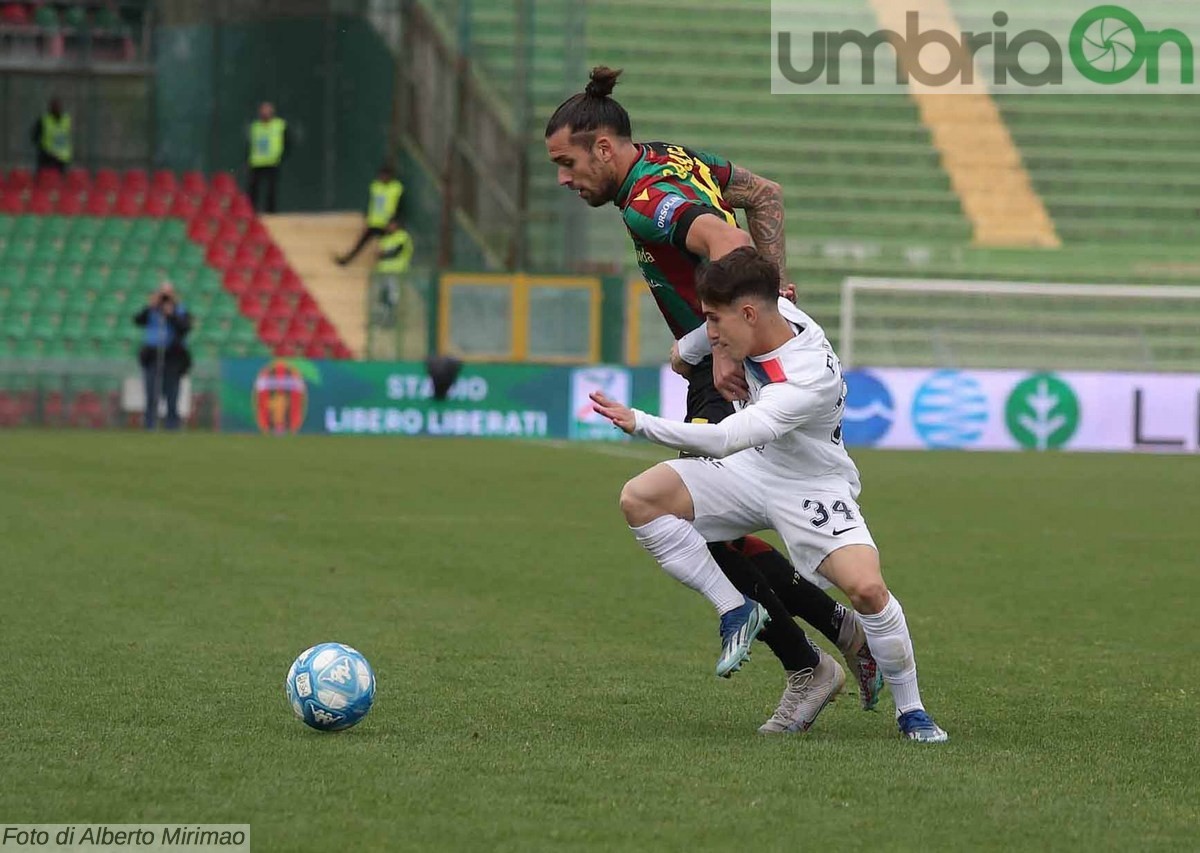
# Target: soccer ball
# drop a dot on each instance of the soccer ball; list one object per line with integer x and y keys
{"x": 330, "y": 687}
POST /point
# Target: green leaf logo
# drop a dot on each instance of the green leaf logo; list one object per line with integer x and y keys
{"x": 1042, "y": 412}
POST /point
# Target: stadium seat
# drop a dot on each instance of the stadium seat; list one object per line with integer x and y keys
{"x": 41, "y": 202}
{"x": 182, "y": 207}
{"x": 240, "y": 207}
{"x": 19, "y": 179}
{"x": 213, "y": 206}
{"x": 200, "y": 230}
{"x": 11, "y": 201}
{"x": 14, "y": 15}
{"x": 194, "y": 184}
{"x": 106, "y": 180}
{"x": 99, "y": 203}
{"x": 70, "y": 203}
{"x": 164, "y": 182}
{"x": 237, "y": 281}
{"x": 156, "y": 205}
{"x": 48, "y": 179}
{"x": 78, "y": 180}
{"x": 135, "y": 181}
{"x": 219, "y": 256}
{"x": 128, "y": 204}
{"x": 224, "y": 184}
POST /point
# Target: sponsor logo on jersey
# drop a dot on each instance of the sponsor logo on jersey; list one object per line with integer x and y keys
{"x": 643, "y": 255}
{"x": 1042, "y": 412}
{"x": 662, "y": 213}
{"x": 870, "y": 410}
{"x": 950, "y": 410}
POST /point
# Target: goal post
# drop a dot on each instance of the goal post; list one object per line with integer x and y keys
{"x": 893, "y": 322}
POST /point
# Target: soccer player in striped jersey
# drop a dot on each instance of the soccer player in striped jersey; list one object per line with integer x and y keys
{"x": 678, "y": 206}
{"x": 778, "y": 463}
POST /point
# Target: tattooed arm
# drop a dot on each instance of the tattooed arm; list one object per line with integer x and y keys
{"x": 763, "y": 202}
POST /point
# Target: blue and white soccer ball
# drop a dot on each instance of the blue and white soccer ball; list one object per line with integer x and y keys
{"x": 330, "y": 687}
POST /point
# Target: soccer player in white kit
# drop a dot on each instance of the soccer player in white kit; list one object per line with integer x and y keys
{"x": 778, "y": 463}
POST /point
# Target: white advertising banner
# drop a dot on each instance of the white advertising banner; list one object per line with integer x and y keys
{"x": 919, "y": 409}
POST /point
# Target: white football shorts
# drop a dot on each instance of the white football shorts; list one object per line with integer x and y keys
{"x": 738, "y": 495}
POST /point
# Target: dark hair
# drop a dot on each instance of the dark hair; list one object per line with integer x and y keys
{"x": 742, "y": 273}
{"x": 593, "y": 108}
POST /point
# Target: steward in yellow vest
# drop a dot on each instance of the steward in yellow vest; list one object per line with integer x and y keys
{"x": 52, "y": 137}
{"x": 268, "y": 146}
{"x": 383, "y": 206}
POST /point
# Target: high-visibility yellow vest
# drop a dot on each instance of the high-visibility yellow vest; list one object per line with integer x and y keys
{"x": 399, "y": 242}
{"x": 266, "y": 143}
{"x": 56, "y": 136}
{"x": 385, "y": 198}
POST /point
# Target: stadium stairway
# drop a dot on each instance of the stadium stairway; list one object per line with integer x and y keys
{"x": 80, "y": 252}
{"x": 309, "y": 241}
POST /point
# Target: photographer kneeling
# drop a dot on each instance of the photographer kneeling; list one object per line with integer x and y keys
{"x": 163, "y": 356}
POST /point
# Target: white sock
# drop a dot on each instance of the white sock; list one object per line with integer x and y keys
{"x": 887, "y": 635}
{"x": 683, "y": 553}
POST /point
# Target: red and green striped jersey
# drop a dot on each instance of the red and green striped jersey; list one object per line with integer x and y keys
{"x": 664, "y": 192}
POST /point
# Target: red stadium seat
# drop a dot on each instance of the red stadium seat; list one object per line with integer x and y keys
{"x": 200, "y": 230}
{"x": 70, "y": 203}
{"x": 342, "y": 351}
{"x": 128, "y": 204}
{"x": 240, "y": 207}
{"x": 41, "y": 202}
{"x": 289, "y": 282}
{"x": 224, "y": 184}
{"x": 237, "y": 281}
{"x": 272, "y": 329}
{"x": 250, "y": 305}
{"x": 106, "y": 180}
{"x": 48, "y": 179}
{"x": 156, "y": 205}
{"x": 14, "y": 14}
{"x": 135, "y": 181}
{"x": 19, "y": 179}
{"x": 314, "y": 350}
{"x": 99, "y": 203}
{"x": 193, "y": 184}
{"x": 182, "y": 207}
{"x": 299, "y": 331}
{"x": 262, "y": 282}
{"x": 165, "y": 182}
{"x": 213, "y": 206}
{"x": 258, "y": 232}
{"x": 227, "y": 232}
{"x": 246, "y": 255}
{"x": 288, "y": 349}
{"x": 11, "y": 202}
{"x": 280, "y": 307}
{"x": 274, "y": 257}
{"x": 219, "y": 256}
{"x": 78, "y": 180}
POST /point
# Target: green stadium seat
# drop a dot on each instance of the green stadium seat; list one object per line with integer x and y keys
{"x": 145, "y": 230}
{"x": 12, "y": 276}
{"x": 76, "y": 252}
{"x": 87, "y": 228}
{"x": 25, "y": 299}
{"x": 106, "y": 250}
{"x": 7, "y": 223}
{"x": 20, "y": 250}
{"x": 116, "y": 228}
{"x": 56, "y": 228}
{"x": 68, "y": 278}
{"x": 133, "y": 253}
{"x": 27, "y": 227}
{"x": 55, "y": 301}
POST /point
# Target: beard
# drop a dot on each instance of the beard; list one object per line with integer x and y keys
{"x": 606, "y": 193}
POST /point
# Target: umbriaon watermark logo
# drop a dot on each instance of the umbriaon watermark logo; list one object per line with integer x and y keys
{"x": 1065, "y": 49}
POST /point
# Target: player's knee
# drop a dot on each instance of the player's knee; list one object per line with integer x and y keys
{"x": 868, "y": 596}
{"x": 636, "y": 504}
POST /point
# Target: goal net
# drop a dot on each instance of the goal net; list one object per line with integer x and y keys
{"x": 980, "y": 324}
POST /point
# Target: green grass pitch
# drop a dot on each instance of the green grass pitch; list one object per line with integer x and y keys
{"x": 544, "y": 686}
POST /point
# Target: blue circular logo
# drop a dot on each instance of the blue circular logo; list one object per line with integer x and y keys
{"x": 869, "y": 411}
{"x": 950, "y": 410}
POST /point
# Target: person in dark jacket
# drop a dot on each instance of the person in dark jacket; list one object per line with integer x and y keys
{"x": 164, "y": 355}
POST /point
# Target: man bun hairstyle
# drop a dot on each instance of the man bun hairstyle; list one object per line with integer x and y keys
{"x": 743, "y": 273}
{"x": 593, "y": 109}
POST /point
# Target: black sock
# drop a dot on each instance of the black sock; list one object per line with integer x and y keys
{"x": 782, "y": 635}
{"x": 802, "y": 598}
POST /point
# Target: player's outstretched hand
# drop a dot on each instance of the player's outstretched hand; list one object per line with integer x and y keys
{"x": 621, "y": 415}
{"x": 788, "y": 292}
{"x": 729, "y": 378}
